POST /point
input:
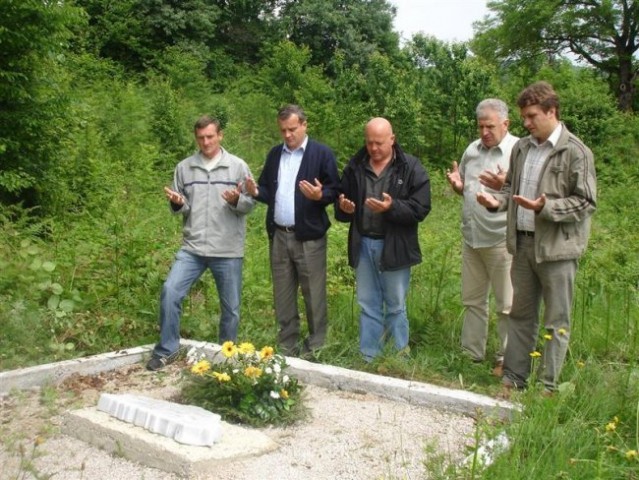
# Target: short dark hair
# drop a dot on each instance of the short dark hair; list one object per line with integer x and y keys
{"x": 286, "y": 111}
{"x": 206, "y": 120}
{"x": 539, "y": 93}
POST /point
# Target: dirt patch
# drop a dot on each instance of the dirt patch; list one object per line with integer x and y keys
{"x": 346, "y": 436}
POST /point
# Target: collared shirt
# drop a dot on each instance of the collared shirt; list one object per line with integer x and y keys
{"x": 373, "y": 223}
{"x": 290, "y": 161}
{"x": 529, "y": 184}
{"x": 481, "y": 228}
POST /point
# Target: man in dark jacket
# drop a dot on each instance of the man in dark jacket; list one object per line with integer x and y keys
{"x": 384, "y": 194}
{"x": 298, "y": 182}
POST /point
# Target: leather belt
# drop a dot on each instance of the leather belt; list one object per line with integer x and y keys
{"x": 525, "y": 233}
{"x": 285, "y": 229}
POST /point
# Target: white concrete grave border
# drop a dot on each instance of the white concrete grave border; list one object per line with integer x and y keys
{"x": 327, "y": 376}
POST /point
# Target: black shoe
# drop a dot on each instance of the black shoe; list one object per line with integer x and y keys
{"x": 158, "y": 363}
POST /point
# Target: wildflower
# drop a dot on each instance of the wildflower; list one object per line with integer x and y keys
{"x": 535, "y": 354}
{"x": 201, "y": 367}
{"x": 581, "y": 364}
{"x": 284, "y": 395}
{"x": 562, "y": 331}
{"x": 611, "y": 427}
{"x": 266, "y": 352}
{"x": 222, "y": 377}
{"x": 277, "y": 368}
{"x": 252, "y": 372}
{"x": 274, "y": 395}
{"x": 268, "y": 370}
{"x": 229, "y": 349}
{"x": 548, "y": 336}
{"x": 285, "y": 379}
{"x": 631, "y": 455}
{"x": 246, "y": 348}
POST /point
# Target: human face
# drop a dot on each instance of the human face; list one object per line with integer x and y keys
{"x": 540, "y": 124}
{"x": 208, "y": 139}
{"x": 293, "y": 131}
{"x": 492, "y": 128}
{"x": 379, "y": 142}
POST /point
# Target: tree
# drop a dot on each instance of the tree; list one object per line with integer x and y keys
{"x": 450, "y": 85}
{"x": 33, "y": 87}
{"x": 357, "y": 28}
{"x": 136, "y": 32}
{"x": 603, "y": 33}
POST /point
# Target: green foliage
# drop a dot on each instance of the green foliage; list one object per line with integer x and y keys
{"x": 355, "y": 29}
{"x": 33, "y": 88}
{"x": 601, "y": 33}
{"x": 449, "y": 85}
{"x": 248, "y": 386}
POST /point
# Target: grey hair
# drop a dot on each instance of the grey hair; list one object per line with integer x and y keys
{"x": 494, "y": 104}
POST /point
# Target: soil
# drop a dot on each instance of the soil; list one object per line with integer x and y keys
{"x": 346, "y": 435}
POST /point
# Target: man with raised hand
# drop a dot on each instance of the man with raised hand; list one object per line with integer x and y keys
{"x": 485, "y": 259}
{"x": 298, "y": 181}
{"x": 208, "y": 192}
{"x": 550, "y": 195}
{"x": 384, "y": 194}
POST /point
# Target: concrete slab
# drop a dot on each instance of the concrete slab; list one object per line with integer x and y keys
{"x": 139, "y": 445}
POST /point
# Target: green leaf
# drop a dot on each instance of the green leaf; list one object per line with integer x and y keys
{"x": 53, "y": 302}
{"x": 48, "y": 266}
{"x": 67, "y": 305}
{"x": 57, "y": 289}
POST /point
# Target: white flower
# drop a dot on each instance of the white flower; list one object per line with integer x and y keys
{"x": 275, "y": 395}
{"x": 285, "y": 379}
{"x": 268, "y": 370}
{"x": 236, "y": 370}
{"x": 277, "y": 368}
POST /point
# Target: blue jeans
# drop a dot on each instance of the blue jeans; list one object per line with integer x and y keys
{"x": 185, "y": 271}
{"x": 381, "y": 296}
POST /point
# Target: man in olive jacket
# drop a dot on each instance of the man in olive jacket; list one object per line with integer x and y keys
{"x": 550, "y": 194}
{"x": 384, "y": 194}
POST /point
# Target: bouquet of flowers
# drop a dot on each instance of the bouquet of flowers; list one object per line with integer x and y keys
{"x": 249, "y": 386}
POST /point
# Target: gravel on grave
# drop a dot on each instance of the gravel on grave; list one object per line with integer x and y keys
{"x": 347, "y": 435}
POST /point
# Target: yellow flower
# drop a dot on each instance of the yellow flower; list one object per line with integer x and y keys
{"x": 611, "y": 427}
{"x": 581, "y": 364}
{"x": 631, "y": 455}
{"x": 535, "y": 354}
{"x": 548, "y": 336}
{"x": 201, "y": 367}
{"x": 246, "y": 348}
{"x": 222, "y": 377}
{"x": 253, "y": 372}
{"x": 284, "y": 394}
{"x": 266, "y": 353}
{"x": 562, "y": 331}
{"x": 229, "y": 349}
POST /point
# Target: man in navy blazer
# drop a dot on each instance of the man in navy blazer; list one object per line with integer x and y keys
{"x": 298, "y": 181}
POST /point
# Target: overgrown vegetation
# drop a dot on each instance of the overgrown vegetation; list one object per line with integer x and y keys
{"x": 92, "y": 122}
